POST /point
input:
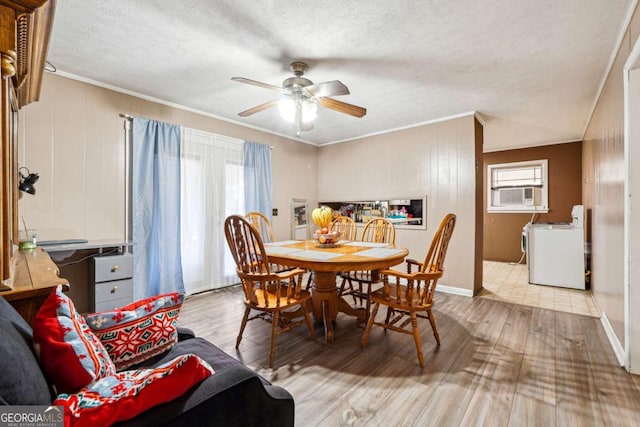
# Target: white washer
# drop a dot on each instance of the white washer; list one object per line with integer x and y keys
{"x": 555, "y": 252}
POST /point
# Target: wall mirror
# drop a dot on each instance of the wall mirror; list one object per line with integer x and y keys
{"x": 298, "y": 215}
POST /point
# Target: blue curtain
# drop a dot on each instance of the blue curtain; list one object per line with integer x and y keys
{"x": 257, "y": 178}
{"x": 156, "y": 208}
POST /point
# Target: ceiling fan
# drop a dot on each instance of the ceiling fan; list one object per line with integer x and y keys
{"x": 300, "y": 97}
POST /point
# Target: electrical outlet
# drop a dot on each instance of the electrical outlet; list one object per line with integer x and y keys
{"x": 274, "y": 212}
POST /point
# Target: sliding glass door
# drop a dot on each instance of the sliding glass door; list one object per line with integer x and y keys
{"x": 212, "y": 189}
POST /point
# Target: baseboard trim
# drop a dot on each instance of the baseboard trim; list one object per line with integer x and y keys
{"x": 448, "y": 289}
{"x": 453, "y": 290}
{"x": 618, "y": 349}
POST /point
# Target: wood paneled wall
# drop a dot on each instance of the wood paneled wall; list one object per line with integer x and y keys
{"x": 603, "y": 190}
{"x": 634, "y": 219}
{"x": 502, "y": 231}
{"x": 439, "y": 160}
{"x": 74, "y": 139}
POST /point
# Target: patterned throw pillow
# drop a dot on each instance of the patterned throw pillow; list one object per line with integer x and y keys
{"x": 126, "y": 394}
{"x": 69, "y": 351}
{"x": 138, "y": 331}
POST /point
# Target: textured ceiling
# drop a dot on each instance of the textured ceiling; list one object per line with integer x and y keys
{"x": 532, "y": 69}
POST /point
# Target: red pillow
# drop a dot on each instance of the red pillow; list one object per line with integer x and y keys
{"x": 126, "y": 394}
{"x": 70, "y": 353}
{"x": 138, "y": 331}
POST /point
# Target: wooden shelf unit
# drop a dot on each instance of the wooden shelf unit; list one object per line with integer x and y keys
{"x": 25, "y": 28}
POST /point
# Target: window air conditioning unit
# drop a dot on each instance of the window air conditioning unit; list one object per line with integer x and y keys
{"x": 519, "y": 196}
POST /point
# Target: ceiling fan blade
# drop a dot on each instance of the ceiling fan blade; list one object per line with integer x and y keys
{"x": 332, "y": 88}
{"x": 342, "y": 107}
{"x": 256, "y": 83}
{"x": 258, "y": 108}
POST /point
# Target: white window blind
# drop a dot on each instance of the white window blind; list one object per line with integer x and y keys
{"x": 517, "y": 176}
{"x": 518, "y": 187}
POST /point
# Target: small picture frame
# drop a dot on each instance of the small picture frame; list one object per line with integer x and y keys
{"x": 300, "y": 213}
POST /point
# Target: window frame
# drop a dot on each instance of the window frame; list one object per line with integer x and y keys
{"x": 542, "y": 207}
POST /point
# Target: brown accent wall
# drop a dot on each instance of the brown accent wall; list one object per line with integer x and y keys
{"x": 502, "y": 231}
{"x": 479, "y": 240}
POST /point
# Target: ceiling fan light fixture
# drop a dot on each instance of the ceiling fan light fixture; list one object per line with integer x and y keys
{"x": 309, "y": 109}
{"x": 289, "y": 106}
{"x": 300, "y": 98}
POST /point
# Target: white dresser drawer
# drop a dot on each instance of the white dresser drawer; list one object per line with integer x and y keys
{"x": 113, "y": 267}
{"x": 115, "y": 290}
{"x": 112, "y": 284}
{"x": 109, "y": 295}
{"x": 111, "y": 305}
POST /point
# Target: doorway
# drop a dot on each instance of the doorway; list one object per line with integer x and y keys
{"x": 299, "y": 223}
{"x": 631, "y": 209}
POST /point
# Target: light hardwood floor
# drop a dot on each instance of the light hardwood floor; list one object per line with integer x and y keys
{"x": 499, "y": 364}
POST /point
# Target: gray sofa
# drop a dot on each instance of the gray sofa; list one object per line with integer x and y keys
{"x": 234, "y": 396}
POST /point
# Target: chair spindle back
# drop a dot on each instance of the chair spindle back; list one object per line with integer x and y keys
{"x": 434, "y": 261}
{"x": 346, "y": 226}
{"x": 433, "y": 265}
{"x": 252, "y": 265}
{"x": 262, "y": 225}
{"x": 379, "y": 230}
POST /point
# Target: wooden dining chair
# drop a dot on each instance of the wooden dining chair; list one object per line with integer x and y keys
{"x": 346, "y": 226}
{"x": 263, "y": 226}
{"x": 348, "y": 230}
{"x": 409, "y": 294}
{"x": 377, "y": 230}
{"x": 276, "y": 297}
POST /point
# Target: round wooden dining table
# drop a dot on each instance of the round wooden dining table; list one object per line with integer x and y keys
{"x": 326, "y": 261}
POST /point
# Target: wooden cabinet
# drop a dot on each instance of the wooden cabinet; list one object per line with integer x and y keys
{"x": 32, "y": 280}
{"x": 25, "y": 26}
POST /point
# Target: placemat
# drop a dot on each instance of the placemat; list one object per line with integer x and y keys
{"x": 317, "y": 255}
{"x": 379, "y": 252}
{"x": 281, "y": 243}
{"x": 368, "y": 244}
{"x": 279, "y": 250}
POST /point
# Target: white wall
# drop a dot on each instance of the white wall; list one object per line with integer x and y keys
{"x": 438, "y": 160}
{"x": 74, "y": 138}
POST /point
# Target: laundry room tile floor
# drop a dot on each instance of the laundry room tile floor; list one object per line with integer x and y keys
{"x": 507, "y": 282}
